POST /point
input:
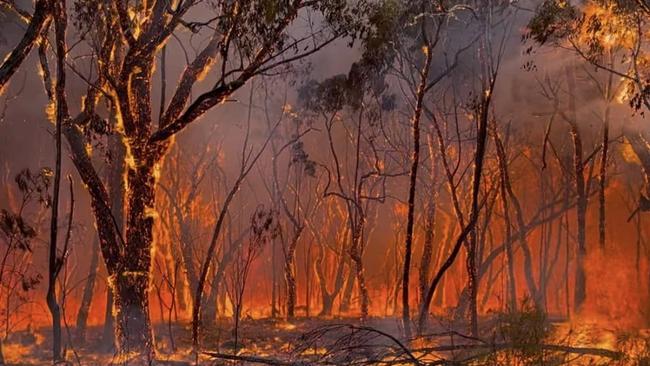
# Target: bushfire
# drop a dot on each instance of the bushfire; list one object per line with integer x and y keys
{"x": 324, "y": 182}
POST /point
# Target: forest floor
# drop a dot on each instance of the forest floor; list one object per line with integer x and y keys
{"x": 344, "y": 341}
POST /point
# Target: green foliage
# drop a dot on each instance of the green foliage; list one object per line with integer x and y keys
{"x": 525, "y": 327}
{"x": 17, "y": 235}
{"x": 264, "y": 228}
{"x": 610, "y": 34}
{"x": 18, "y": 232}
{"x": 523, "y": 332}
{"x": 553, "y": 20}
{"x": 35, "y": 185}
{"x": 15, "y": 231}
{"x": 301, "y": 157}
{"x": 327, "y": 96}
{"x": 381, "y": 36}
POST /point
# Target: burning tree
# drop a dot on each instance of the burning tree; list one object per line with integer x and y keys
{"x": 126, "y": 39}
{"x": 611, "y": 36}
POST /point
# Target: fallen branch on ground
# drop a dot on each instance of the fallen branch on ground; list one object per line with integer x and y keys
{"x": 256, "y": 359}
{"x": 587, "y": 351}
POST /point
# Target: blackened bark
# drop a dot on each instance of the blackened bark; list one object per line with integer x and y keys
{"x": 327, "y": 296}
{"x": 357, "y": 257}
{"x": 512, "y": 287}
{"x": 88, "y": 293}
{"x": 55, "y": 262}
{"x": 350, "y": 281}
{"x": 200, "y": 287}
{"x": 38, "y": 23}
{"x": 427, "y": 250}
{"x": 602, "y": 180}
{"x": 108, "y": 333}
{"x": 413, "y": 175}
{"x": 290, "y": 276}
{"x": 579, "y": 294}
{"x": 131, "y": 282}
{"x": 187, "y": 254}
{"x": 132, "y": 325}
{"x": 481, "y": 141}
{"x": 116, "y": 194}
{"x": 519, "y": 215}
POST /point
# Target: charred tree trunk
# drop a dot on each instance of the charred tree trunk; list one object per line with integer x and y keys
{"x": 479, "y": 156}
{"x": 210, "y": 305}
{"x": 356, "y": 255}
{"x": 308, "y": 280}
{"x": 511, "y": 296}
{"x": 413, "y": 176}
{"x": 440, "y": 299}
{"x": 55, "y": 263}
{"x": 519, "y": 215}
{"x": 108, "y": 333}
{"x": 274, "y": 281}
{"x": 602, "y": 177}
{"x": 327, "y": 300}
{"x": 132, "y": 324}
{"x": 427, "y": 250}
{"x": 579, "y": 294}
{"x": 350, "y": 281}
{"x": 328, "y": 297}
{"x": 189, "y": 269}
{"x": 116, "y": 193}
{"x": 38, "y": 24}
{"x": 89, "y": 292}
{"x": 290, "y": 273}
{"x": 131, "y": 281}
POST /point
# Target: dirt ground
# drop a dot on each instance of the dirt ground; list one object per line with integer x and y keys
{"x": 334, "y": 341}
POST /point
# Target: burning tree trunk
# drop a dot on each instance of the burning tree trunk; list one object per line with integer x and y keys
{"x": 415, "y": 160}
{"x": 116, "y": 194}
{"x": 39, "y": 22}
{"x": 125, "y": 41}
{"x": 131, "y": 281}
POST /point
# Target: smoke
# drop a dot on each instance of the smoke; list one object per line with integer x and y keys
{"x": 615, "y": 292}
